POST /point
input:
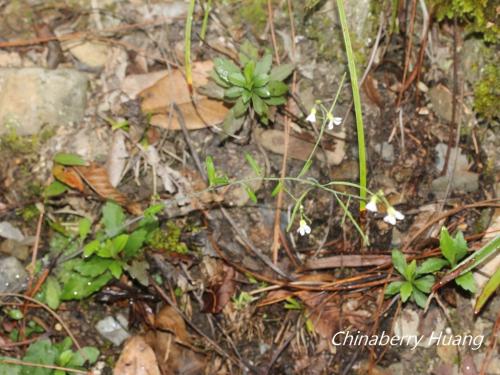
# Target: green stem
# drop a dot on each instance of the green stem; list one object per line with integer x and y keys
{"x": 187, "y": 44}
{"x": 357, "y": 104}
{"x": 208, "y": 8}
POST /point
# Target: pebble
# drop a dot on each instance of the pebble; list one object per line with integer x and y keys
{"x": 13, "y": 276}
{"x": 113, "y": 329}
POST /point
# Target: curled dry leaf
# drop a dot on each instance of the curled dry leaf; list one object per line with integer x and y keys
{"x": 137, "y": 358}
{"x": 117, "y": 158}
{"x": 220, "y": 293}
{"x": 68, "y": 176}
{"x": 158, "y": 99}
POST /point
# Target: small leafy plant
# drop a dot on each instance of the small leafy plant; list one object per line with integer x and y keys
{"x": 417, "y": 282}
{"x": 253, "y": 87}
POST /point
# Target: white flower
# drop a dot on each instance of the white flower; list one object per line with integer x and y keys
{"x": 333, "y": 120}
{"x": 393, "y": 215}
{"x": 372, "y": 204}
{"x": 312, "y": 116}
{"x": 303, "y": 228}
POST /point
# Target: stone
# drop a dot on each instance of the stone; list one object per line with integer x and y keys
{"x": 13, "y": 277}
{"x": 407, "y": 323}
{"x": 113, "y": 329}
{"x": 15, "y": 248}
{"x": 463, "y": 181}
{"x": 7, "y": 230}
{"x": 33, "y": 97}
{"x": 92, "y": 54}
{"x": 441, "y": 150}
{"x": 386, "y": 151}
{"x": 441, "y": 100}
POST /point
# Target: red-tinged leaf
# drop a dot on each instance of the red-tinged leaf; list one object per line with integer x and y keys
{"x": 216, "y": 297}
{"x": 68, "y": 176}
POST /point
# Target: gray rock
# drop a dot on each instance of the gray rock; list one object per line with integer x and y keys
{"x": 7, "y": 230}
{"x": 113, "y": 329}
{"x": 441, "y": 150}
{"x": 13, "y": 276}
{"x": 386, "y": 151}
{"x": 441, "y": 100}
{"x": 462, "y": 181}
{"x": 15, "y": 248}
{"x": 32, "y": 97}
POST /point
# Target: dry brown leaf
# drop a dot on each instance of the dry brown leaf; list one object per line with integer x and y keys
{"x": 158, "y": 99}
{"x": 97, "y": 178}
{"x": 220, "y": 293}
{"x": 68, "y": 176}
{"x": 137, "y": 358}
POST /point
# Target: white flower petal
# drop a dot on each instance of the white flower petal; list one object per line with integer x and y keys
{"x": 371, "y": 206}
{"x": 398, "y": 215}
{"x": 330, "y": 125}
{"x": 390, "y": 219}
{"x": 307, "y": 229}
{"x": 337, "y": 120}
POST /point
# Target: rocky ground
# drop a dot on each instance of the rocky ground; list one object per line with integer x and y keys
{"x": 104, "y": 81}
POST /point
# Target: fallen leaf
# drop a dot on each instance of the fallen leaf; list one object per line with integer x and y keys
{"x": 117, "y": 158}
{"x": 68, "y": 176}
{"x": 220, "y": 293}
{"x": 137, "y": 358}
{"x": 97, "y": 178}
{"x": 299, "y": 149}
{"x": 158, "y": 100}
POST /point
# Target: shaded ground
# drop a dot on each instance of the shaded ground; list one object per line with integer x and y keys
{"x": 200, "y": 292}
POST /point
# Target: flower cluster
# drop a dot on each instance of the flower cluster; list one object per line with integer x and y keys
{"x": 332, "y": 120}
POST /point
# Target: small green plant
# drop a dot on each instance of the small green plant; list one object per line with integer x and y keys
{"x": 417, "y": 282}
{"x": 454, "y": 250}
{"x": 44, "y": 352}
{"x": 253, "y": 87}
{"x": 242, "y": 300}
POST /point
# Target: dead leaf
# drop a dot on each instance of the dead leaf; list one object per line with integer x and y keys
{"x": 220, "y": 293}
{"x": 158, "y": 99}
{"x": 137, "y": 358}
{"x": 97, "y": 178}
{"x": 300, "y": 149}
{"x": 117, "y": 158}
{"x": 68, "y": 176}
{"x": 133, "y": 84}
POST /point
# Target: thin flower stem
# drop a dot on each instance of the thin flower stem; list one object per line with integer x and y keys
{"x": 187, "y": 44}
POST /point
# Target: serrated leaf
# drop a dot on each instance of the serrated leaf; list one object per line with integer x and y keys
{"x": 419, "y": 298}
{"x": 425, "y": 283}
{"x": 281, "y": 72}
{"x": 399, "y": 262}
{"x": 84, "y": 228}
{"x": 54, "y": 189}
{"x": 405, "y": 291}
{"x": 52, "y": 292}
{"x": 393, "y": 288}
{"x": 466, "y": 282}
{"x": 113, "y": 218}
{"x": 78, "y": 286}
{"x": 264, "y": 64}
{"x": 41, "y": 352}
{"x": 488, "y": 290}
{"x": 446, "y": 245}
{"x": 431, "y": 265}
{"x": 69, "y": 159}
{"x": 253, "y": 164}
{"x": 277, "y": 88}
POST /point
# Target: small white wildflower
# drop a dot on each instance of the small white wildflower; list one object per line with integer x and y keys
{"x": 372, "y": 204}
{"x": 332, "y": 120}
{"x": 303, "y": 228}
{"x": 393, "y": 215}
{"x": 75, "y": 293}
{"x": 312, "y": 115}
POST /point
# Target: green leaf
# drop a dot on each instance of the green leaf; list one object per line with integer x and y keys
{"x": 113, "y": 218}
{"x": 78, "y": 286}
{"x": 209, "y": 164}
{"x": 248, "y": 72}
{"x": 93, "y": 266}
{"x": 488, "y": 290}
{"x": 251, "y": 194}
{"x": 54, "y": 189}
{"x": 240, "y": 108}
{"x": 260, "y": 80}
{"x": 460, "y": 245}
{"x": 116, "y": 269}
{"x": 68, "y": 159}
{"x": 263, "y": 92}
{"x": 234, "y": 92}
{"x": 277, "y": 88}
{"x": 88, "y": 354}
{"x": 6, "y": 369}
{"x": 135, "y": 242}
{"x": 264, "y": 64}
{"x": 277, "y": 189}
{"x": 253, "y": 164}
{"x": 84, "y": 228}
{"x": 393, "y": 288}
{"x": 399, "y": 261}
{"x": 447, "y": 246}
{"x": 52, "y": 292}
{"x": 281, "y": 72}
{"x": 41, "y": 352}
{"x": 246, "y": 96}
{"x": 91, "y": 248}
{"x": 154, "y": 209}
{"x": 65, "y": 357}
{"x": 410, "y": 270}
{"x": 466, "y": 282}
{"x": 258, "y": 105}
{"x": 237, "y": 79}
{"x": 431, "y": 265}
{"x": 224, "y": 68}
{"x": 275, "y": 100}
{"x": 425, "y": 283}
{"x": 15, "y": 314}
{"x": 218, "y": 80}
{"x": 419, "y": 298}
{"x": 248, "y": 52}
{"x": 405, "y": 291}
{"x": 119, "y": 243}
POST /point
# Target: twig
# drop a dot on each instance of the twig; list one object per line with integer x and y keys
{"x": 12, "y": 361}
{"x": 273, "y": 34}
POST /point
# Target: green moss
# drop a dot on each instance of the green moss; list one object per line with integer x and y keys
{"x": 168, "y": 238}
{"x": 479, "y": 16}
{"x": 29, "y": 213}
{"x": 251, "y": 12}
{"x": 487, "y": 93}
{"x": 23, "y": 145}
